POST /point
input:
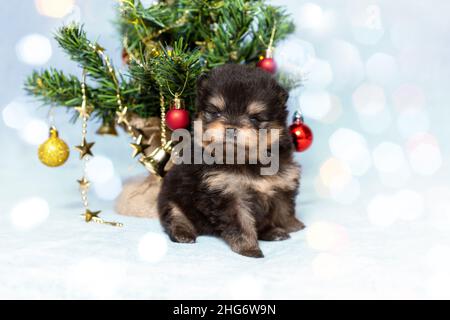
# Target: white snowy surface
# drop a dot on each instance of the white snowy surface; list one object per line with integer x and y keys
{"x": 339, "y": 255}
{"x": 375, "y": 192}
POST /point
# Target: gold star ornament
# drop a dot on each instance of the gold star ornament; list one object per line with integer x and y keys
{"x": 84, "y": 183}
{"x": 89, "y": 215}
{"x": 85, "y": 148}
{"x": 84, "y": 111}
{"x": 138, "y": 147}
{"x": 122, "y": 116}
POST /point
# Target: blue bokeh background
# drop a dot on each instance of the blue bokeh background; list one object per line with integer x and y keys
{"x": 375, "y": 93}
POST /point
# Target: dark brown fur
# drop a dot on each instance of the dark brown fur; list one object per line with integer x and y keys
{"x": 234, "y": 202}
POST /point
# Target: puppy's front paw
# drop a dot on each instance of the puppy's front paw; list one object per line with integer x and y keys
{"x": 275, "y": 234}
{"x": 252, "y": 253}
{"x": 294, "y": 225}
{"x": 182, "y": 236}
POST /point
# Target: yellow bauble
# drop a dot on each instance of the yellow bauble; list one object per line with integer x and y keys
{"x": 54, "y": 151}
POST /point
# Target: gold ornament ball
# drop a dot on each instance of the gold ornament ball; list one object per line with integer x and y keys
{"x": 54, "y": 151}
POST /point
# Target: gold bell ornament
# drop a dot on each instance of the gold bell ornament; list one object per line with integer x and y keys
{"x": 158, "y": 159}
{"x": 54, "y": 152}
{"x": 107, "y": 128}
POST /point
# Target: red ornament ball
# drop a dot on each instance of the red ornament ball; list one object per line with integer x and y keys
{"x": 267, "y": 64}
{"x": 125, "y": 56}
{"x": 177, "y": 119}
{"x": 301, "y": 135}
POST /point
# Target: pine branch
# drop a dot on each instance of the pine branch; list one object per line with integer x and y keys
{"x": 74, "y": 41}
{"x": 229, "y": 33}
{"x": 202, "y": 16}
{"x": 203, "y": 33}
{"x": 146, "y": 25}
{"x": 172, "y": 71}
{"x": 53, "y": 87}
{"x": 268, "y": 17}
{"x": 235, "y": 31}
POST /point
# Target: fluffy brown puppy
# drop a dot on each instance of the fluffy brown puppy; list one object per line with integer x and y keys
{"x": 234, "y": 201}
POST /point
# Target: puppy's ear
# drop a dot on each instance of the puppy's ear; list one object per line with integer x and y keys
{"x": 283, "y": 95}
{"x": 201, "y": 83}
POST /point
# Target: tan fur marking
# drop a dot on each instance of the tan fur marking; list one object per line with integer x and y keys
{"x": 179, "y": 218}
{"x": 217, "y": 127}
{"x": 247, "y": 239}
{"x": 218, "y": 101}
{"x": 216, "y": 132}
{"x": 247, "y": 222}
{"x": 270, "y": 140}
{"x": 236, "y": 184}
{"x": 247, "y": 134}
{"x": 255, "y": 107}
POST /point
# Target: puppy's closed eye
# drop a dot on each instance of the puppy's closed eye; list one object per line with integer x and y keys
{"x": 211, "y": 112}
{"x": 257, "y": 119}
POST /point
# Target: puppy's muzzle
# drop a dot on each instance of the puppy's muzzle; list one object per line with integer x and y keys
{"x": 230, "y": 133}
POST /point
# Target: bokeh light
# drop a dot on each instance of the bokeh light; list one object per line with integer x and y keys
{"x": 424, "y": 154}
{"x": 100, "y": 169}
{"x": 326, "y": 236}
{"x": 294, "y": 56}
{"x": 347, "y": 193}
{"x": 438, "y": 206}
{"x": 351, "y": 147}
{"x": 335, "y": 174}
{"x": 410, "y": 122}
{"x": 346, "y": 63}
{"x": 388, "y": 157}
{"x": 318, "y": 74}
{"x": 395, "y": 179}
{"x": 367, "y": 23}
{"x": 376, "y": 123}
{"x": 385, "y": 209}
{"x": 315, "y": 104}
{"x": 35, "y": 132}
{"x": 74, "y": 16}
{"x": 34, "y": 49}
{"x": 380, "y": 211}
{"x": 108, "y": 189}
{"x": 410, "y": 203}
{"x": 382, "y": 69}
{"x": 390, "y": 161}
{"x": 407, "y": 97}
{"x": 54, "y": 8}
{"x": 335, "y": 110}
{"x": 152, "y": 247}
{"x": 405, "y": 34}
{"x": 311, "y": 16}
{"x": 336, "y": 181}
{"x": 29, "y": 213}
{"x": 369, "y": 99}
{"x": 321, "y": 189}
{"x": 15, "y": 115}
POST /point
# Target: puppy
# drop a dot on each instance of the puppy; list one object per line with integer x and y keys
{"x": 235, "y": 201}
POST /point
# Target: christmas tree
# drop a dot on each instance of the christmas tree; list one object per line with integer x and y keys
{"x": 167, "y": 46}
